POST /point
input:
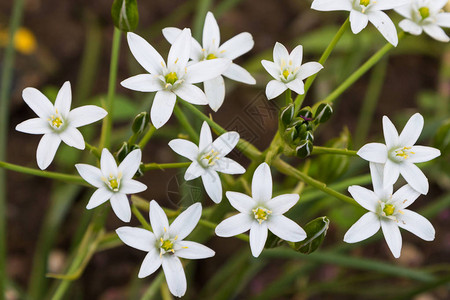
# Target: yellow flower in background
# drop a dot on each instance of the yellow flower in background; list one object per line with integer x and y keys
{"x": 24, "y": 40}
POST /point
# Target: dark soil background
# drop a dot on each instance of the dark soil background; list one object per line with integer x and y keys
{"x": 61, "y": 31}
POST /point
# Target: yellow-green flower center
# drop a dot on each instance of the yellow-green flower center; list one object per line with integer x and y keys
{"x": 286, "y": 73}
{"x": 404, "y": 152}
{"x": 261, "y": 214}
{"x": 56, "y": 122}
{"x": 171, "y": 77}
{"x": 211, "y": 56}
{"x": 389, "y": 209}
{"x": 114, "y": 184}
{"x": 210, "y": 158}
{"x": 364, "y": 2}
{"x": 424, "y": 12}
{"x": 167, "y": 245}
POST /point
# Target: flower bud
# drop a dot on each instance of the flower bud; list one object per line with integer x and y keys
{"x": 316, "y": 230}
{"x": 290, "y": 135}
{"x": 125, "y": 14}
{"x": 323, "y": 113}
{"x": 140, "y": 122}
{"x": 287, "y": 114}
{"x": 304, "y": 149}
{"x": 308, "y": 136}
{"x": 305, "y": 113}
{"x": 122, "y": 152}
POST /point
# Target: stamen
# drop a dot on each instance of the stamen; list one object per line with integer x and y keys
{"x": 404, "y": 152}
{"x": 210, "y": 158}
{"x": 261, "y": 214}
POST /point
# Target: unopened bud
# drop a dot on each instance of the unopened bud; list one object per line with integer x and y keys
{"x": 323, "y": 113}
{"x": 122, "y": 152}
{"x": 304, "y": 149}
{"x": 140, "y": 122}
{"x": 125, "y": 14}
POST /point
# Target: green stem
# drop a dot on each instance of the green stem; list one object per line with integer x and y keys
{"x": 155, "y": 166}
{"x": 184, "y": 122}
{"x": 202, "y": 8}
{"x": 107, "y": 121}
{"x": 93, "y": 150}
{"x": 322, "y": 60}
{"x": 288, "y": 97}
{"x": 140, "y": 217}
{"x": 326, "y": 150}
{"x": 5, "y": 89}
{"x": 360, "y": 72}
{"x": 47, "y": 174}
{"x": 148, "y": 135}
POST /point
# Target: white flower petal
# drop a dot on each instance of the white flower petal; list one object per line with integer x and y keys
{"x": 205, "y": 137}
{"x": 234, "y": 225}
{"x": 158, "y": 219}
{"x": 87, "y": 114}
{"x": 404, "y": 10}
{"x": 414, "y": 177}
{"x": 384, "y": 25}
{"x": 331, "y": 5}
{"x": 238, "y": 73}
{"x": 373, "y": 152}
{"x": 193, "y": 171}
{"x": 258, "y": 237}
{"x": 416, "y": 224}
{"x": 436, "y": 33}
{"x": 131, "y": 186}
{"x": 215, "y": 92}
{"x": 184, "y": 148}
{"x": 180, "y": 50}
{"x": 99, "y": 197}
{"x": 225, "y": 143}
{"x": 207, "y": 69}
{"x": 213, "y": 185}
{"x": 272, "y": 68}
{"x": 193, "y": 250}
{"x": 129, "y": 166}
{"x": 296, "y": 56}
{"x": 274, "y": 89}
{"x": 228, "y": 166}
{"x": 376, "y": 172}
{"x": 365, "y": 227}
{"x": 405, "y": 196}
{"x": 191, "y": 93}
{"x": 308, "y": 69}
{"x": 46, "y": 150}
{"x": 390, "y": 173}
{"x": 280, "y": 54}
{"x": 38, "y": 103}
{"x": 392, "y": 235}
{"x": 388, "y": 4}
{"x": 162, "y": 108}
{"x": 121, "y": 206}
{"x": 91, "y": 174}
{"x": 175, "y": 277}
{"x": 390, "y": 133}
{"x": 285, "y": 228}
{"x": 358, "y": 21}
{"x": 412, "y": 130}
{"x": 242, "y": 202}
{"x": 72, "y": 137}
{"x": 237, "y": 45}
{"x": 410, "y": 27}
{"x": 297, "y": 86}
{"x": 437, "y": 5}
{"x": 108, "y": 164}
{"x": 143, "y": 83}
{"x": 281, "y": 204}
{"x": 137, "y": 238}
{"x": 262, "y": 184}
{"x": 151, "y": 263}
{"x": 423, "y": 154}
{"x": 183, "y": 225}
{"x": 211, "y": 32}
{"x": 145, "y": 54}
{"x": 64, "y": 99}
{"x": 366, "y": 198}
{"x": 443, "y": 19}
{"x": 34, "y": 126}
{"x": 171, "y": 34}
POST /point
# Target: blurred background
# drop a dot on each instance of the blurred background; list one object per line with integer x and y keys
{"x": 71, "y": 40}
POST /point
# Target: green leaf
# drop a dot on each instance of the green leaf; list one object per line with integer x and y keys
{"x": 315, "y": 231}
{"x": 125, "y": 14}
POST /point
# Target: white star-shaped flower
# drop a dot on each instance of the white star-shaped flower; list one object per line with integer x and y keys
{"x": 261, "y": 213}
{"x": 231, "y": 49}
{"x": 425, "y": 15}
{"x": 388, "y": 211}
{"x": 399, "y": 155}
{"x": 165, "y": 245}
{"x": 288, "y": 71}
{"x": 176, "y": 78}
{"x": 209, "y": 158}
{"x": 57, "y": 122}
{"x": 114, "y": 182}
{"x": 363, "y": 11}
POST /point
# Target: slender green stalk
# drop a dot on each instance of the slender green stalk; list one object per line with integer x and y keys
{"x": 93, "y": 150}
{"x": 184, "y": 122}
{"x": 360, "y": 72}
{"x": 288, "y": 97}
{"x": 146, "y": 138}
{"x": 107, "y": 121}
{"x": 322, "y": 60}
{"x": 326, "y": 150}
{"x": 140, "y": 217}
{"x": 155, "y": 166}
{"x": 47, "y": 174}
{"x": 5, "y": 89}
{"x": 152, "y": 291}
{"x": 202, "y": 8}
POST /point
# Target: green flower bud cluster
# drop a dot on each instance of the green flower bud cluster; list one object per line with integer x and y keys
{"x": 297, "y": 130}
